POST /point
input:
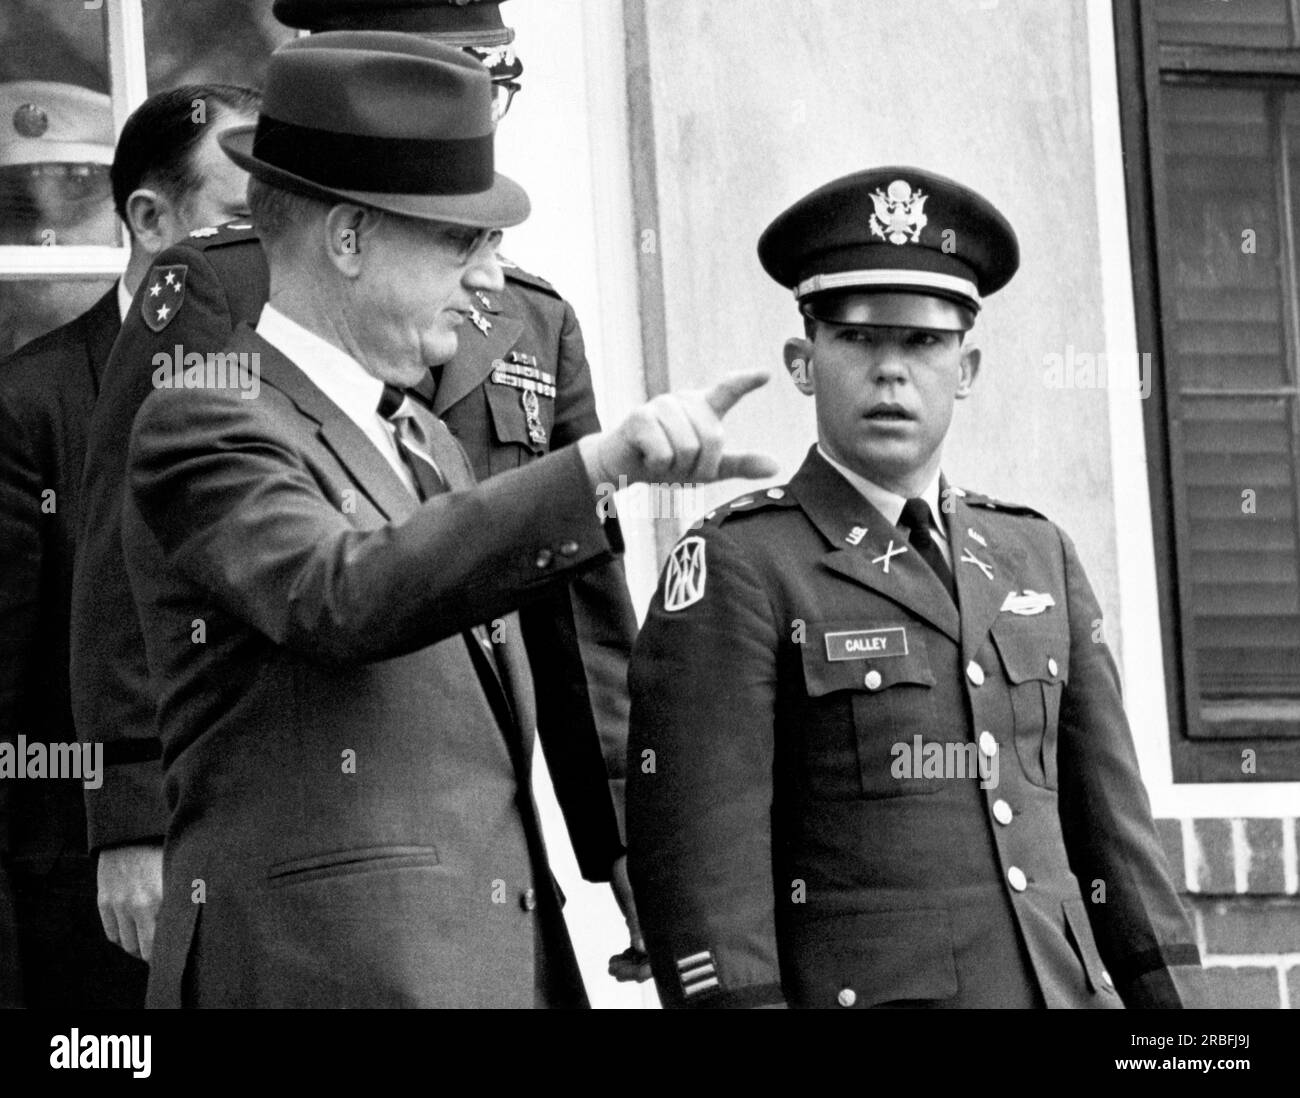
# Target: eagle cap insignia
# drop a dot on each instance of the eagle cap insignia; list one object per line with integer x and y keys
{"x": 899, "y": 215}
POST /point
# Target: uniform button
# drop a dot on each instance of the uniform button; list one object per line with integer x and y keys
{"x": 569, "y": 548}
{"x": 775, "y": 493}
{"x": 1105, "y": 979}
{"x": 872, "y": 680}
{"x": 975, "y": 673}
{"x": 544, "y": 558}
{"x": 1051, "y": 666}
{"x": 528, "y": 899}
{"x": 988, "y": 743}
{"x": 847, "y": 997}
{"x": 1016, "y": 876}
{"x": 1002, "y": 811}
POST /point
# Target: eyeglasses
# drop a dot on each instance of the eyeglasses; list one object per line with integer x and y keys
{"x": 467, "y": 242}
{"x": 505, "y": 68}
{"x": 503, "y": 94}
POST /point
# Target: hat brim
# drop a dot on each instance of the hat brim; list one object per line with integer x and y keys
{"x": 501, "y": 206}
{"x": 34, "y": 151}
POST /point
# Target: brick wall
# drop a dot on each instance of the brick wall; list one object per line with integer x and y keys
{"x": 1238, "y": 879}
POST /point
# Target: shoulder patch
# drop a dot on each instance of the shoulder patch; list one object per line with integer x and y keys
{"x": 685, "y": 576}
{"x": 991, "y": 504}
{"x": 164, "y": 296}
{"x": 524, "y": 278}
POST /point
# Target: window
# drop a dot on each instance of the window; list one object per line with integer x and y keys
{"x": 1210, "y": 97}
{"x": 61, "y": 245}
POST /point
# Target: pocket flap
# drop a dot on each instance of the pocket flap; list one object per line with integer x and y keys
{"x": 864, "y": 958}
{"x": 510, "y": 419}
{"x": 1036, "y": 651}
{"x": 851, "y": 656}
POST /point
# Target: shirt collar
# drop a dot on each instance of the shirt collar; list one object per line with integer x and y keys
{"x": 123, "y": 299}
{"x": 889, "y": 504}
{"x": 337, "y": 374}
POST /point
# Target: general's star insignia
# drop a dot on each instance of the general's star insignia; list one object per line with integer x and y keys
{"x": 687, "y": 571}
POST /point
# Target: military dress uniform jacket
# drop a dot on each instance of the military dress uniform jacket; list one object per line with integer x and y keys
{"x": 47, "y": 393}
{"x": 518, "y": 388}
{"x": 791, "y": 838}
{"x": 347, "y": 776}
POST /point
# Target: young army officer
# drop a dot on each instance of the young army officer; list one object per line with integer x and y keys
{"x": 518, "y": 388}
{"x": 811, "y": 642}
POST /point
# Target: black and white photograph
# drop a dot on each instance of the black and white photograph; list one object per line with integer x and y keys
{"x": 650, "y": 505}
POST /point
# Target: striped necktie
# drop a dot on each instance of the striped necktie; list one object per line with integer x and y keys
{"x": 420, "y": 443}
{"x": 427, "y": 449}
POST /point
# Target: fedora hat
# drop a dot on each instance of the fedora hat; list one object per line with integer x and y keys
{"x": 383, "y": 119}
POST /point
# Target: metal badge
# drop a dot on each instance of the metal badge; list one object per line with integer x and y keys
{"x": 532, "y": 415}
{"x": 888, "y": 554}
{"x": 31, "y": 121}
{"x": 898, "y": 217}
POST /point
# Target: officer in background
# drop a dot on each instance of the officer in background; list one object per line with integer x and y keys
{"x": 878, "y": 754}
{"x": 518, "y": 388}
{"x": 56, "y": 146}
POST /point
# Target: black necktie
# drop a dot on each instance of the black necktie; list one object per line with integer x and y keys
{"x": 917, "y": 521}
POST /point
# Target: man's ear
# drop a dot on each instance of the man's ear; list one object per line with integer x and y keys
{"x": 349, "y": 230}
{"x": 798, "y": 360}
{"x": 970, "y": 368}
{"x": 147, "y": 219}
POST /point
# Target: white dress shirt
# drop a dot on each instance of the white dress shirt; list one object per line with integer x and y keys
{"x": 890, "y": 504}
{"x": 123, "y": 300}
{"x": 340, "y": 377}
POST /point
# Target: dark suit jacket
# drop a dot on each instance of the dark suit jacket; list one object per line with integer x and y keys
{"x": 347, "y": 793}
{"x": 786, "y": 845}
{"x": 47, "y": 393}
{"x": 579, "y": 638}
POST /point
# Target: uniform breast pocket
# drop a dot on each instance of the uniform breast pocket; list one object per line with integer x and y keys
{"x": 1036, "y": 656}
{"x": 522, "y": 417}
{"x": 876, "y": 685}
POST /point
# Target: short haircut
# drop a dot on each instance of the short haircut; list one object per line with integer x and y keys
{"x": 158, "y": 143}
{"x": 275, "y": 211}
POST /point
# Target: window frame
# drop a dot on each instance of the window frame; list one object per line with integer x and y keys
{"x": 128, "y": 88}
{"x": 1141, "y": 63}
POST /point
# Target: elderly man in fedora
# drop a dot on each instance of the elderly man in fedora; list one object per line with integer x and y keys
{"x": 346, "y": 708}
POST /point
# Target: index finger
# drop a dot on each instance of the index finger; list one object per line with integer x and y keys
{"x": 731, "y": 388}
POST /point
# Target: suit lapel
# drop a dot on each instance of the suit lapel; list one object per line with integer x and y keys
{"x": 985, "y": 572}
{"x": 475, "y": 355}
{"x": 505, "y": 669}
{"x": 882, "y": 559}
{"x": 355, "y": 452}
{"x": 102, "y": 323}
